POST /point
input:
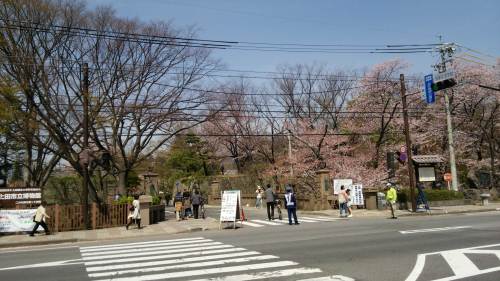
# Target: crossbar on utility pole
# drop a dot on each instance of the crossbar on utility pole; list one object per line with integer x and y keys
{"x": 86, "y": 144}
{"x": 411, "y": 173}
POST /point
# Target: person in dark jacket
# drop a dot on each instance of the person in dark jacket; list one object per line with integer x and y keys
{"x": 196, "y": 202}
{"x": 291, "y": 206}
{"x": 270, "y": 198}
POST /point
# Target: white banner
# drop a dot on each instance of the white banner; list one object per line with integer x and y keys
{"x": 357, "y": 194}
{"x": 339, "y": 182}
{"x": 229, "y": 205}
{"x": 16, "y": 220}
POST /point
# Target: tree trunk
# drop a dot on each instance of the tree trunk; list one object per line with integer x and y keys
{"x": 122, "y": 182}
{"x": 492, "y": 164}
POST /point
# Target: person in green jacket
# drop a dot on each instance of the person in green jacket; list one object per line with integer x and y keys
{"x": 391, "y": 198}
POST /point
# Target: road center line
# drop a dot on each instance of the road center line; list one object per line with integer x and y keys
{"x": 433, "y": 229}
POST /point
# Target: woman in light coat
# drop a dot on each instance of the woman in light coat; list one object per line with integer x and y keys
{"x": 135, "y": 213}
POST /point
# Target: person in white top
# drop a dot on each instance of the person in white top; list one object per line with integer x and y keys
{"x": 258, "y": 202}
{"x": 135, "y": 213}
{"x": 39, "y": 219}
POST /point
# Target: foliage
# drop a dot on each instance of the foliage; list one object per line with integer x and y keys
{"x": 63, "y": 190}
{"x": 443, "y": 195}
{"x": 156, "y": 200}
{"x": 125, "y": 200}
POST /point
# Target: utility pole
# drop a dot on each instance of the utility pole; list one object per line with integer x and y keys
{"x": 86, "y": 145}
{"x": 408, "y": 144}
{"x": 447, "y": 50}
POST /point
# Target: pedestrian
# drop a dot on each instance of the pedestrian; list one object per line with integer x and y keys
{"x": 135, "y": 213}
{"x": 196, "y": 202}
{"x": 391, "y": 198}
{"x": 291, "y": 206}
{"x": 349, "y": 203}
{"x": 178, "y": 204}
{"x": 342, "y": 199}
{"x": 187, "y": 203}
{"x": 258, "y": 201}
{"x": 270, "y": 197}
{"x": 39, "y": 219}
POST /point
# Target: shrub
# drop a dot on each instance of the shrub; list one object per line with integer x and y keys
{"x": 125, "y": 200}
{"x": 156, "y": 200}
{"x": 443, "y": 195}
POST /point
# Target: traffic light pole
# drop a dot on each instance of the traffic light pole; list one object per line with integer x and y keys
{"x": 411, "y": 172}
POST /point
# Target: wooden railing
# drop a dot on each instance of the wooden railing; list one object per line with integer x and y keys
{"x": 70, "y": 217}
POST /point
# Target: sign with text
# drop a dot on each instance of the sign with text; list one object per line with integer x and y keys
{"x": 230, "y": 206}
{"x": 357, "y": 194}
{"x": 16, "y": 220}
{"x": 430, "y": 96}
{"x": 441, "y": 76}
{"x": 9, "y": 197}
{"x": 337, "y": 183}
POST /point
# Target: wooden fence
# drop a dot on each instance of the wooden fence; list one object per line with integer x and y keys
{"x": 71, "y": 217}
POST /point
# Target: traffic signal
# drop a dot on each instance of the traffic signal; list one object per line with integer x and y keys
{"x": 443, "y": 84}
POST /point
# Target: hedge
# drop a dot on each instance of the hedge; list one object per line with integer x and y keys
{"x": 432, "y": 195}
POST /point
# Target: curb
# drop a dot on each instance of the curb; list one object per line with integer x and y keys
{"x": 409, "y": 214}
{"x": 39, "y": 243}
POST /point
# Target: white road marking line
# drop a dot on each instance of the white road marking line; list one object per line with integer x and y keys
{"x": 451, "y": 278}
{"x": 329, "y": 278}
{"x": 264, "y": 275}
{"x": 157, "y": 248}
{"x": 300, "y": 219}
{"x": 172, "y": 261}
{"x": 194, "y": 252}
{"x": 45, "y": 264}
{"x": 329, "y": 218}
{"x": 218, "y": 270}
{"x": 159, "y": 243}
{"x": 417, "y": 269}
{"x": 22, "y": 249}
{"x": 138, "y": 243}
{"x": 150, "y": 253}
{"x": 266, "y": 222}
{"x": 251, "y": 224}
{"x": 433, "y": 229}
{"x": 184, "y": 266}
{"x": 319, "y": 219}
{"x": 459, "y": 263}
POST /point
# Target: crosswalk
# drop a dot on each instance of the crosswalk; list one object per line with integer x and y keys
{"x": 284, "y": 221}
{"x": 190, "y": 259}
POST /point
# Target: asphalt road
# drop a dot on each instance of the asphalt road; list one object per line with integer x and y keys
{"x": 452, "y": 247}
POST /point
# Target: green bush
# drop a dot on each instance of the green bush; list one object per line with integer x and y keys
{"x": 156, "y": 200}
{"x": 432, "y": 195}
{"x": 125, "y": 200}
{"x": 443, "y": 195}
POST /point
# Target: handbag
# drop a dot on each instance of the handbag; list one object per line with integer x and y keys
{"x": 131, "y": 208}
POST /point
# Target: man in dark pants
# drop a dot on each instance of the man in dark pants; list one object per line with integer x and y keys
{"x": 196, "y": 201}
{"x": 40, "y": 215}
{"x": 291, "y": 206}
{"x": 270, "y": 202}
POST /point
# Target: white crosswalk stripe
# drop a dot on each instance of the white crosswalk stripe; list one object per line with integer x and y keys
{"x": 310, "y": 219}
{"x": 184, "y": 259}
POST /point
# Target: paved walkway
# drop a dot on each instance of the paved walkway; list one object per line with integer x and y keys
{"x": 166, "y": 227}
{"x": 191, "y": 225}
{"x": 402, "y": 213}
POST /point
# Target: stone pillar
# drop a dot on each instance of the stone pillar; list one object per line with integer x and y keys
{"x": 214, "y": 191}
{"x": 326, "y": 188}
{"x": 145, "y": 202}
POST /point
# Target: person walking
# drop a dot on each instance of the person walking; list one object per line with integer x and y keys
{"x": 342, "y": 198}
{"x": 39, "y": 219}
{"x": 258, "y": 201}
{"x": 196, "y": 202}
{"x": 135, "y": 213}
{"x": 349, "y": 203}
{"x": 391, "y": 198}
{"x": 291, "y": 206}
{"x": 270, "y": 198}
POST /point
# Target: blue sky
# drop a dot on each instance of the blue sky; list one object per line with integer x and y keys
{"x": 475, "y": 24}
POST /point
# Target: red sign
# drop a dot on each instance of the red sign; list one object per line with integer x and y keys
{"x": 447, "y": 177}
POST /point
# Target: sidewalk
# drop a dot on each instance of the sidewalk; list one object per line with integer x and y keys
{"x": 166, "y": 227}
{"x": 405, "y": 213}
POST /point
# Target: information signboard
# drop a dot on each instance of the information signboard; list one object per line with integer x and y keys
{"x": 230, "y": 206}
{"x": 357, "y": 195}
{"x": 337, "y": 183}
